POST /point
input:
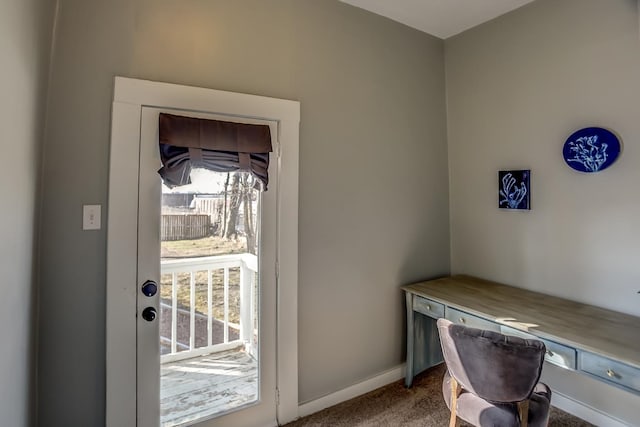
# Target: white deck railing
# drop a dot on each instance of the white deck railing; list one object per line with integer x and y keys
{"x": 248, "y": 265}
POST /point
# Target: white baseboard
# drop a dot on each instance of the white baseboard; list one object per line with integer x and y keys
{"x": 350, "y": 392}
{"x": 586, "y": 412}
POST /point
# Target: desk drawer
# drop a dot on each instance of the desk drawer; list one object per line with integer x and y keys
{"x": 558, "y": 354}
{"x": 614, "y": 372}
{"x": 428, "y": 307}
{"x": 460, "y": 317}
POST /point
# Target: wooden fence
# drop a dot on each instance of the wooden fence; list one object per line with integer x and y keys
{"x": 185, "y": 227}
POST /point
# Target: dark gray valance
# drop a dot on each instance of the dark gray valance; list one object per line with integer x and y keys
{"x": 187, "y": 142}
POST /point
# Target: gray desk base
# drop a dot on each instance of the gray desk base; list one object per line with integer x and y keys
{"x": 423, "y": 342}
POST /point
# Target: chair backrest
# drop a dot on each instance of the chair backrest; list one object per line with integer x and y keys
{"x": 496, "y": 367}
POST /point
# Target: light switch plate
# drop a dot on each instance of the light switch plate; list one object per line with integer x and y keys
{"x": 91, "y": 217}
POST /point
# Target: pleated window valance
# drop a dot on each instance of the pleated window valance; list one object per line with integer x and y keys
{"x": 187, "y": 142}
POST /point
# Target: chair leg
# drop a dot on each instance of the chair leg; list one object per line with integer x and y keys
{"x": 523, "y": 412}
{"x": 455, "y": 391}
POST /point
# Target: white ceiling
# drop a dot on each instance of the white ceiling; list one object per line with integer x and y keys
{"x": 441, "y": 18}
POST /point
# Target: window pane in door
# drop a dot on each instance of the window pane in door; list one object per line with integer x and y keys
{"x": 209, "y": 296}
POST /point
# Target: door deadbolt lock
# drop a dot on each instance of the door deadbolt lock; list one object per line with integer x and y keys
{"x": 149, "y": 288}
{"x": 149, "y": 314}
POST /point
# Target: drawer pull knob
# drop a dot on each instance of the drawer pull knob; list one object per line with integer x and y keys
{"x": 611, "y": 373}
{"x": 428, "y": 307}
{"x": 549, "y": 353}
{"x": 462, "y": 320}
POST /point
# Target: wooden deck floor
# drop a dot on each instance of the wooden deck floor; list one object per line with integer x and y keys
{"x": 204, "y": 386}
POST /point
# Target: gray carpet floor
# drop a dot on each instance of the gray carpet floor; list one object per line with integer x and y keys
{"x": 396, "y": 406}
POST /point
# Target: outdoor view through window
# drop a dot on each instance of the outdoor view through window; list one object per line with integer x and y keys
{"x": 209, "y": 296}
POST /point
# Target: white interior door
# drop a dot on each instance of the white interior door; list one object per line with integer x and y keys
{"x": 189, "y": 384}
{"x": 132, "y": 348}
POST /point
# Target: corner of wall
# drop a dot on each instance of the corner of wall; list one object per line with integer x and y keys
{"x": 52, "y": 18}
{"x": 445, "y": 44}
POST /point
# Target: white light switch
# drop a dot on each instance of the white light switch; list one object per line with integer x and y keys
{"x": 91, "y": 217}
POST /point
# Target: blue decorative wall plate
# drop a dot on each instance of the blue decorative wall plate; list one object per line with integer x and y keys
{"x": 591, "y": 149}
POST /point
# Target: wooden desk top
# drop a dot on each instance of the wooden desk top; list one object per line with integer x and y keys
{"x": 584, "y": 327}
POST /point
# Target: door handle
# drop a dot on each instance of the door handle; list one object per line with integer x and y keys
{"x": 149, "y": 314}
{"x": 149, "y": 288}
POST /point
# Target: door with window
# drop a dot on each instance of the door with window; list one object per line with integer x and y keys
{"x": 199, "y": 261}
{"x": 206, "y": 301}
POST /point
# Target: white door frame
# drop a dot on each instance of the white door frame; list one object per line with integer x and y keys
{"x": 130, "y": 95}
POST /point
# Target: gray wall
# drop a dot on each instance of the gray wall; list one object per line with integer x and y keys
{"x": 373, "y": 180}
{"x": 25, "y": 31}
{"x": 517, "y": 87}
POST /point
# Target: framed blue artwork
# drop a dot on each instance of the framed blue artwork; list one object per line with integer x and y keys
{"x": 591, "y": 149}
{"x": 514, "y": 190}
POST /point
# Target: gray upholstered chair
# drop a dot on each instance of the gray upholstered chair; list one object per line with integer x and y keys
{"x": 492, "y": 379}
